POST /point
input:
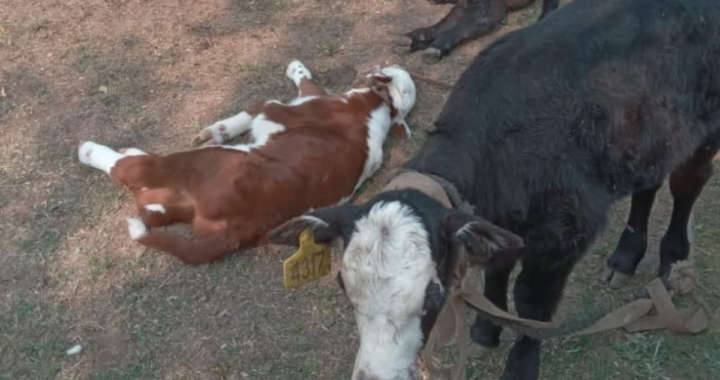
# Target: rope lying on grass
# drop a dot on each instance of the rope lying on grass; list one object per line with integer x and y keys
{"x": 651, "y": 309}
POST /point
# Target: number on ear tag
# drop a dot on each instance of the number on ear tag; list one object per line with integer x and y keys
{"x": 311, "y": 262}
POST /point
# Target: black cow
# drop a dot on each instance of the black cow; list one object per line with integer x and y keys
{"x": 468, "y": 19}
{"x": 547, "y": 128}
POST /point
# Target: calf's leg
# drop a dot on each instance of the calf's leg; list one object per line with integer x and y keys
{"x": 623, "y": 262}
{"x": 538, "y": 290}
{"x": 302, "y": 78}
{"x": 224, "y": 130}
{"x": 467, "y": 20}
{"x": 421, "y": 38}
{"x": 98, "y": 156}
{"x": 484, "y": 332}
{"x": 163, "y": 207}
{"x": 686, "y": 184}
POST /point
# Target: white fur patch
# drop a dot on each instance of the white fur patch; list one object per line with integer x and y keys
{"x": 355, "y": 91}
{"x": 136, "y": 228}
{"x": 301, "y": 100}
{"x": 378, "y": 125}
{"x": 262, "y": 129}
{"x": 155, "y": 208}
{"x": 98, "y": 156}
{"x": 386, "y": 267}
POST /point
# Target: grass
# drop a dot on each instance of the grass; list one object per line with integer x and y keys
{"x": 83, "y": 58}
{"x": 32, "y": 339}
{"x": 140, "y": 369}
{"x": 328, "y": 50}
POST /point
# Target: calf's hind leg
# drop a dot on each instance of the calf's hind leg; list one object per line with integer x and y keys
{"x": 631, "y": 248}
{"x": 163, "y": 207}
{"x": 98, "y": 156}
{"x": 686, "y": 185}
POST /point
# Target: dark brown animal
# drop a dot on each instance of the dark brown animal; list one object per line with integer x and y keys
{"x": 467, "y": 20}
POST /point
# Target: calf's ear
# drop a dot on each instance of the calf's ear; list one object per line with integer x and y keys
{"x": 326, "y": 224}
{"x": 482, "y": 239}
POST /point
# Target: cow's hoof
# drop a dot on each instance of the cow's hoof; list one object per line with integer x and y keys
{"x": 615, "y": 279}
{"x": 431, "y": 55}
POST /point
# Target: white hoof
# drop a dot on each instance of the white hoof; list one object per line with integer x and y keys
{"x": 85, "y": 150}
{"x": 296, "y": 71}
{"x": 136, "y": 228}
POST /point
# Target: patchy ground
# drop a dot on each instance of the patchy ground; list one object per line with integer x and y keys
{"x": 151, "y": 74}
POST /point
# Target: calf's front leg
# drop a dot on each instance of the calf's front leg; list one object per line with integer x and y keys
{"x": 224, "y": 130}
{"x": 537, "y": 293}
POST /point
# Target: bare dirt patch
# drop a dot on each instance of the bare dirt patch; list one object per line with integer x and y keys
{"x": 150, "y": 74}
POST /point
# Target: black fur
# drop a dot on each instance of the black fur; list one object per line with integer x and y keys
{"x": 552, "y": 124}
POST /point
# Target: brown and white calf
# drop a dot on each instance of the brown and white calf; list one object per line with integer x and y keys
{"x": 312, "y": 152}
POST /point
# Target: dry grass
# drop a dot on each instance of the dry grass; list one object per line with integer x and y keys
{"x": 150, "y": 74}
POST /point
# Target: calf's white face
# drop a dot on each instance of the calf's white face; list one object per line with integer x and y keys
{"x": 385, "y": 269}
{"x": 395, "y": 265}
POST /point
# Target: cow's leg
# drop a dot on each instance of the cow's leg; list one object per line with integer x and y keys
{"x": 421, "y": 38}
{"x": 163, "y": 206}
{"x": 686, "y": 184}
{"x": 302, "y": 78}
{"x": 98, "y": 156}
{"x": 548, "y": 6}
{"x": 480, "y": 18}
{"x": 621, "y": 265}
{"x": 224, "y": 130}
{"x": 484, "y": 332}
{"x": 538, "y": 290}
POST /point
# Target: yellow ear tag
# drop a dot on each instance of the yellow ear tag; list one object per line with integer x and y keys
{"x": 311, "y": 262}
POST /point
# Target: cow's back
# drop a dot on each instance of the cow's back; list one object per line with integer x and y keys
{"x": 605, "y": 94}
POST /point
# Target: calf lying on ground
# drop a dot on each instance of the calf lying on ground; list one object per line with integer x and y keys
{"x": 546, "y": 129}
{"x": 467, "y": 20}
{"x": 314, "y": 151}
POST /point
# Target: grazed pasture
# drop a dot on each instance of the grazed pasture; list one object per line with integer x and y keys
{"x": 151, "y": 74}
